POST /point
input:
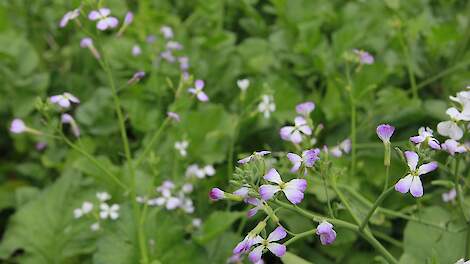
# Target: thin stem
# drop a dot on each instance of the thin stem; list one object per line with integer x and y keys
{"x": 388, "y": 239}
{"x": 345, "y": 203}
{"x": 300, "y": 236}
{"x": 374, "y": 207}
{"x": 350, "y": 89}
{"x": 387, "y": 177}
{"x": 330, "y": 210}
{"x": 154, "y": 138}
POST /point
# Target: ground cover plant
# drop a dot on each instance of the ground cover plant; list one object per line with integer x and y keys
{"x": 234, "y": 131}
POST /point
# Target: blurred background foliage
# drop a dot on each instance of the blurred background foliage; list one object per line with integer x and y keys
{"x": 292, "y": 49}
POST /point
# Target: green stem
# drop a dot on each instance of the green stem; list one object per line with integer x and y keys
{"x": 300, "y": 236}
{"x": 127, "y": 151}
{"x": 409, "y": 63}
{"x": 387, "y": 177}
{"x": 388, "y": 239}
{"x": 350, "y": 89}
{"x": 154, "y": 138}
{"x": 345, "y": 203}
{"x": 374, "y": 207}
{"x": 330, "y": 210}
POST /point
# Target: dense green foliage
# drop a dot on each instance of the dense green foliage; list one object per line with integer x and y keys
{"x": 294, "y": 50}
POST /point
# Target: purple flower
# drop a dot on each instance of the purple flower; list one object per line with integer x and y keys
{"x": 88, "y": 43}
{"x": 270, "y": 243}
{"x": 71, "y": 15}
{"x": 309, "y": 157}
{"x": 326, "y": 233}
{"x": 385, "y": 132}
{"x": 41, "y": 146}
{"x": 18, "y": 126}
{"x": 68, "y": 119}
{"x": 449, "y": 196}
{"x": 257, "y": 203}
{"x": 184, "y": 63}
{"x": 453, "y": 146}
{"x": 425, "y": 135}
{"x": 294, "y": 133}
{"x": 305, "y": 108}
{"x": 412, "y": 182}
{"x": 167, "y": 32}
{"x": 136, "y": 51}
{"x": 364, "y": 57}
{"x": 244, "y": 245}
{"x": 136, "y": 77}
{"x": 200, "y": 94}
{"x": 293, "y": 189}
{"x": 150, "y": 39}
{"x": 173, "y": 45}
{"x": 173, "y": 116}
{"x": 129, "y": 18}
{"x": 254, "y": 155}
{"x": 216, "y": 194}
{"x": 168, "y": 56}
{"x": 64, "y": 100}
{"x": 104, "y": 20}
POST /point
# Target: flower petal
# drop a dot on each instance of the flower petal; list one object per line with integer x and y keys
{"x": 412, "y": 159}
{"x": 273, "y": 176}
{"x": 286, "y": 132}
{"x": 278, "y": 234}
{"x": 416, "y": 188}
{"x": 202, "y": 96}
{"x": 255, "y": 254}
{"x": 404, "y": 184}
{"x": 450, "y": 129}
{"x": 267, "y": 191}
{"x": 277, "y": 249}
{"x": 296, "y": 137}
{"x": 426, "y": 168}
{"x": 417, "y": 139}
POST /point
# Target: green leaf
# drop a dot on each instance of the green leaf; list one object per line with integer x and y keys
{"x": 290, "y": 258}
{"x": 216, "y": 224}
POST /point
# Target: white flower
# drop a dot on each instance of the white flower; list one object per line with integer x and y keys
{"x": 109, "y": 211}
{"x": 86, "y": 208}
{"x": 243, "y": 84}
{"x": 64, "y": 100}
{"x": 267, "y": 106}
{"x": 103, "y": 196}
{"x": 462, "y": 261}
{"x": 209, "y": 170}
{"x": 187, "y": 188}
{"x": 193, "y": 170}
{"x": 95, "y": 226}
{"x": 181, "y": 146}
{"x": 197, "y": 222}
{"x": 450, "y": 129}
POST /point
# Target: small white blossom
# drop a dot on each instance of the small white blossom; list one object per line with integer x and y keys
{"x": 181, "y": 146}
{"x": 103, "y": 196}
{"x": 107, "y": 211}
{"x": 95, "y": 226}
{"x": 267, "y": 106}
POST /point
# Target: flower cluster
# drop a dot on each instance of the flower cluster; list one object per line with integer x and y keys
{"x": 171, "y": 197}
{"x": 98, "y": 210}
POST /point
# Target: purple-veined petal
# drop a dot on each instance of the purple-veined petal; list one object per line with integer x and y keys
{"x": 299, "y": 121}
{"x": 305, "y": 108}
{"x": 277, "y": 249}
{"x": 202, "y": 96}
{"x": 278, "y": 234}
{"x": 417, "y": 139}
{"x": 416, "y": 188}
{"x": 434, "y": 144}
{"x": 426, "y": 168}
{"x": 328, "y": 238}
{"x": 305, "y": 129}
{"x": 295, "y": 196}
{"x": 255, "y": 254}
{"x": 273, "y": 176}
{"x": 64, "y": 102}
{"x": 299, "y": 184}
{"x": 412, "y": 159}
{"x": 296, "y": 160}
{"x": 310, "y": 157}
{"x": 102, "y": 25}
{"x": 216, "y": 194}
{"x": 245, "y": 160}
{"x": 112, "y": 22}
{"x": 243, "y": 192}
{"x": 252, "y": 212}
{"x": 267, "y": 191}
{"x": 404, "y": 184}
{"x": 385, "y": 132}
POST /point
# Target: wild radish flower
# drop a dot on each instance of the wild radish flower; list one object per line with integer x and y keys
{"x": 104, "y": 20}
{"x": 364, "y": 57}
{"x": 68, "y": 119}
{"x": 326, "y": 233}
{"x": 243, "y": 84}
{"x": 449, "y": 196}
{"x": 412, "y": 182}
{"x": 95, "y": 226}
{"x": 345, "y": 145}
{"x": 463, "y": 98}
{"x": 385, "y": 132}
{"x": 167, "y": 32}
{"x": 187, "y": 205}
{"x": 107, "y": 211}
{"x": 270, "y": 244}
{"x": 258, "y": 204}
{"x": 216, "y": 194}
{"x": 187, "y": 188}
{"x": 136, "y": 77}
{"x": 294, "y": 133}
{"x": 88, "y": 43}
{"x": 335, "y": 151}
{"x": 64, "y": 100}
{"x": 267, "y": 106}
{"x": 18, "y": 126}
{"x": 150, "y": 39}
{"x": 305, "y": 108}
{"x": 136, "y": 51}
{"x": 168, "y": 56}
{"x": 200, "y": 94}
{"x": 452, "y": 147}
{"x": 71, "y": 15}
{"x": 173, "y": 45}
{"x": 462, "y": 261}
{"x": 193, "y": 170}
{"x": 173, "y": 116}
{"x": 103, "y": 196}
{"x": 293, "y": 189}
{"x": 181, "y": 146}
{"x": 184, "y": 63}
{"x": 196, "y": 222}
{"x": 451, "y": 128}
{"x": 127, "y": 21}
{"x": 85, "y": 209}
{"x": 426, "y": 135}
{"x": 254, "y": 155}
{"x": 308, "y": 159}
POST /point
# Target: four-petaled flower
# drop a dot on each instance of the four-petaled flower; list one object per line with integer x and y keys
{"x": 270, "y": 244}
{"x": 85, "y": 209}
{"x": 364, "y": 57}
{"x": 68, "y": 119}
{"x": 18, "y": 126}
{"x": 308, "y": 159}
{"x": 412, "y": 182}
{"x": 254, "y": 155}
{"x": 326, "y": 233}
{"x": 64, "y": 100}
{"x": 71, "y": 15}
{"x": 107, "y": 211}
{"x": 181, "y": 146}
{"x": 293, "y": 189}
{"x": 267, "y": 106}
{"x": 243, "y": 84}
{"x": 104, "y": 20}
{"x": 294, "y": 133}
{"x": 426, "y": 135}
{"x": 453, "y": 146}
{"x": 385, "y": 132}
{"x": 305, "y": 108}
{"x": 197, "y": 90}
{"x": 449, "y": 196}
{"x": 103, "y": 196}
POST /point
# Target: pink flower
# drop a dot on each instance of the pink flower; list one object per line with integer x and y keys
{"x": 364, "y": 57}
{"x": 449, "y": 196}
{"x": 136, "y": 51}
{"x": 64, "y": 100}
{"x": 305, "y": 108}
{"x": 412, "y": 182}
{"x": 216, "y": 194}
{"x": 294, "y": 133}
{"x": 326, "y": 233}
{"x": 129, "y": 18}
{"x": 385, "y": 132}
{"x": 293, "y": 189}
{"x": 18, "y": 126}
{"x": 453, "y": 146}
{"x": 104, "y": 20}
{"x": 308, "y": 159}
{"x": 167, "y": 32}
{"x": 200, "y": 94}
{"x": 270, "y": 244}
